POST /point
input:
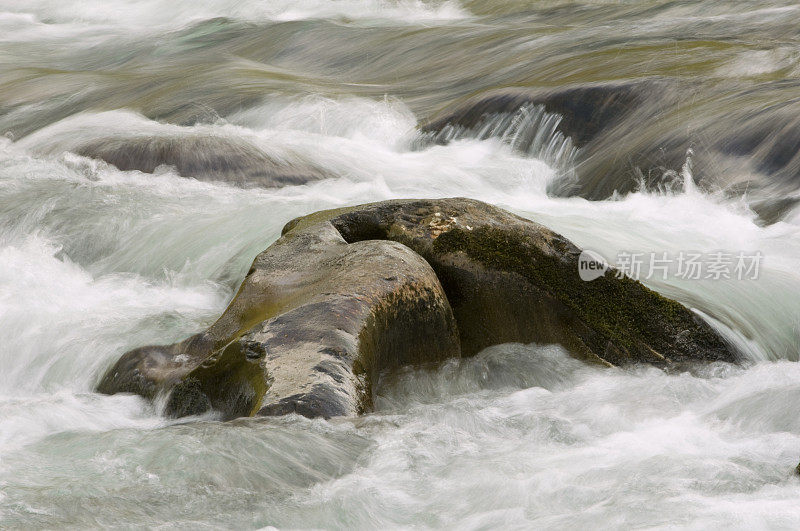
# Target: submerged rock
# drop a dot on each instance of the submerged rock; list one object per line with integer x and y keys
{"x": 585, "y": 110}
{"x": 204, "y": 157}
{"x": 585, "y": 118}
{"x": 131, "y": 142}
{"x": 348, "y": 293}
{"x": 642, "y": 134}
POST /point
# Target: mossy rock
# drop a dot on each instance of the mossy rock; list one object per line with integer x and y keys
{"x": 346, "y": 294}
{"x": 510, "y": 279}
{"x": 313, "y": 324}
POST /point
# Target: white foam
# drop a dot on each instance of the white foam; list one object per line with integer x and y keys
{"x": 54, "y": 18}
{"x": 62, "y": 325}
{"x": 758, "y": 63}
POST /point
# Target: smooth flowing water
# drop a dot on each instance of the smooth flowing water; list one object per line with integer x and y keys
{"x": 95, "y": 261}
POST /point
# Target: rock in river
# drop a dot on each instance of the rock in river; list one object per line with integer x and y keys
{"x": 346, "y": 294}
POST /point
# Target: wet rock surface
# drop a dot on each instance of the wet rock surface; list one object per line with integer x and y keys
{"x": 208, "y": 158}
{"x": 511, "y": 279}
{"x": 346, "y": 294}
{"x": 634, "y": 135}
{"x": 585, "y": 110}
{"x": 314, "y": 322}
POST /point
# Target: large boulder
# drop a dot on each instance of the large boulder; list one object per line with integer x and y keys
{"x": 348, "y": 293}
{"x": 314, "y": 322}
{"x": 509, "y": 279}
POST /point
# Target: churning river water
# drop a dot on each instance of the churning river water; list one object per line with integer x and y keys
{"x": 95, "y": 261}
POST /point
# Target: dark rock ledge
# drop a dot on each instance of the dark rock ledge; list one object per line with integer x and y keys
{"x": 346, "y": 294}
{"x": 203, "y": 157}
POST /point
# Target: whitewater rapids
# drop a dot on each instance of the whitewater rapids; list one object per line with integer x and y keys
{"x": 95, "y": 261}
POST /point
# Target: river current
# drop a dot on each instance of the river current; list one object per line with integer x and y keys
{"x": 95, "y": 261}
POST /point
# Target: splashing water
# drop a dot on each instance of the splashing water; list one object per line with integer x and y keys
{"x": 530, "y": 130}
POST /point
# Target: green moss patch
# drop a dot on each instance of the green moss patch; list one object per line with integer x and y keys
{"x": 619, "y": 310}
